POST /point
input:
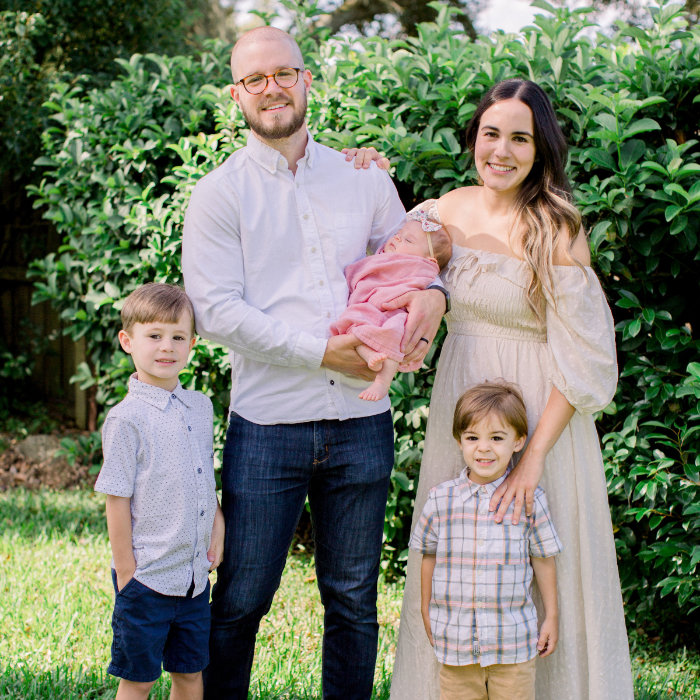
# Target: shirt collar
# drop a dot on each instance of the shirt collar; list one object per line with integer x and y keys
{"x": 156, "y": 396}
{"x": 470, "y": 488}
{"x": 272, "y": 160}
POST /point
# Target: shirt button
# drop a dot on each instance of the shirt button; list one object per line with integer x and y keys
{"x": 202, "y": 513}
{"x": 320, "y": 284}
{"x": 332, "y": 382}
{"x": 313, "y": 250}
{"x": 172, "y": 396}
{"x": 481, "y": 543}
{"x": 199, "y": 470}
{"x": 189, "y": 427}
{"x": 306, "y": 217}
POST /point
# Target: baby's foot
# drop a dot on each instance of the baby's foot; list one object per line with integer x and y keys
{"x": 374, "y": 392}
{"x": 375, "y": 361}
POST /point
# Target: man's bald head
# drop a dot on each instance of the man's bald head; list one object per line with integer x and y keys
{"x": 269, "y": 35}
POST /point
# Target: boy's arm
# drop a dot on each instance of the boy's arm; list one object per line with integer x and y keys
{"x": 119, "y": 528}
{"x": 546, "y": 575}
{"x": 216, "y": 544}
{"x": 426, "y": 592}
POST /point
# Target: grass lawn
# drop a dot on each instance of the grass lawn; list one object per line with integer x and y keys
{"x": 56, "y": 600}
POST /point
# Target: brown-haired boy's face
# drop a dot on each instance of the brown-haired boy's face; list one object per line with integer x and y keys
{"x": 487, "y": 446}
{"x": 159, "y": 350}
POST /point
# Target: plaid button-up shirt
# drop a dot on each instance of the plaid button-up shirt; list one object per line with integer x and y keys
{"x": 481, "y": 611}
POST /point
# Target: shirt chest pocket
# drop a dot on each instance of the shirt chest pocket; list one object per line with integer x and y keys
{"x": 512, "y": 547}
{"x": 349, "y": 234}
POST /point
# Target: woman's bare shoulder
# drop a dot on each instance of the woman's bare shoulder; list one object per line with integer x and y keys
{"x": 571, "y": 252}
{"x": 459, "y": 195}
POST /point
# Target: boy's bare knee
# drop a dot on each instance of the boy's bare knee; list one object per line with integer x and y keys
{"x": 186, "y": 686}
{"x": 132, "y": 690}
{"x": 186, "y": 677}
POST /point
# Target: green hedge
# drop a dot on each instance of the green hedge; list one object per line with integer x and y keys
{"x": 119, "y": 166}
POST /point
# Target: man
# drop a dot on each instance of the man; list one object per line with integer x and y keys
{"x": 267, "y": 236}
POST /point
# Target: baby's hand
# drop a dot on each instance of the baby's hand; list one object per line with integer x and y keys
{"x": 548, "y": 637}
{"x": 216, "y": 547}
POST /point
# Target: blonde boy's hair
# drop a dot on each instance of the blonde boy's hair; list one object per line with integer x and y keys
{"x": 156, "y": 302}
{"x": 499, "y": 397}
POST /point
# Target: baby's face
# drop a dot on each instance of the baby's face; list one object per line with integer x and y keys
{"x": 410, "y": 239}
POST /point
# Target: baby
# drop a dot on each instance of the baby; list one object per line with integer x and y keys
{"x": 409, "y": 261}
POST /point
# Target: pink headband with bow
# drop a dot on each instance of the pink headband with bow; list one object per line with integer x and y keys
{"x": 427, "y": 224}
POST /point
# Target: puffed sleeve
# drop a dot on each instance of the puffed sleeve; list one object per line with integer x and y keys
{"x": 581, "y": 336}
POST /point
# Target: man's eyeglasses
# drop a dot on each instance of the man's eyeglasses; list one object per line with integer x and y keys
{"x": 284, "y": 77}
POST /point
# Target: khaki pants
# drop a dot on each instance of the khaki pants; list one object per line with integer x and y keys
{"x": 496, "y": 682}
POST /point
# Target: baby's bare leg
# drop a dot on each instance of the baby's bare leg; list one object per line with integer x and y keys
{"x": 380, "y": 387}
{"x": 373, "y": 358}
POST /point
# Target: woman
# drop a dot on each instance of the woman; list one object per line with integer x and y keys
{"x": 527, "y": 308}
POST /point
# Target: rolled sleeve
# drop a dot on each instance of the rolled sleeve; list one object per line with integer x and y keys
{"x": 424, "y": 538}
{"x": 543, "y": 539}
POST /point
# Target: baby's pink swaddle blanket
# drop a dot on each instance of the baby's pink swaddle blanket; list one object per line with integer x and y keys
{"x": 374, "y": 281}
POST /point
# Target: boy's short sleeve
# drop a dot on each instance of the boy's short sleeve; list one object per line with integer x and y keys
{"x": 424, "y": 538}
{"x": 120, "y": 447}
{"x": 543, "y": 539}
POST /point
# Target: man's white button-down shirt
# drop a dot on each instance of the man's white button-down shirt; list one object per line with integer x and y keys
{"x": 264, "y": 251}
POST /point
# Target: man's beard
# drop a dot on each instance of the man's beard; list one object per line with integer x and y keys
{"x": 278, "y": 130}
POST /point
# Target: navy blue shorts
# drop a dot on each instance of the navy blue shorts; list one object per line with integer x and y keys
{"x": 153, "y": 630}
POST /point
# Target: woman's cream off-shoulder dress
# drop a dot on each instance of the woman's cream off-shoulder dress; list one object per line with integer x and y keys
{"x": 492, "y": 333}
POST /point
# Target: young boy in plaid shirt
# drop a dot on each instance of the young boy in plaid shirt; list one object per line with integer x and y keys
{"x": 476, "y": 574}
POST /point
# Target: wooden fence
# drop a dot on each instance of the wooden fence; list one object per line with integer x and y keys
{"x": 35, "y": 330}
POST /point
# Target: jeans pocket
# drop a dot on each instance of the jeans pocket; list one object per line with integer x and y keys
{"x": 130, "y": 588}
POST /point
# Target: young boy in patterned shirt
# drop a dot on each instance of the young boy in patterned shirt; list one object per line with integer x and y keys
{"x": 476, "y": 575}
{"x": 165, "y": 525}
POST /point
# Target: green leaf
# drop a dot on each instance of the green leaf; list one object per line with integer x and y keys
{"x": 640, "y": 126}
{"x": 600, "y": 157}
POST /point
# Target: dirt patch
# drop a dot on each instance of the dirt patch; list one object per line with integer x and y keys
{"x": 31, "y": 463}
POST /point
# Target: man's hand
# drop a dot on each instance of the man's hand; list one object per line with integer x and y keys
{"x": 425, "y": 311}
{"x": 364, "y": 156}
{"x": 341, "y": 356}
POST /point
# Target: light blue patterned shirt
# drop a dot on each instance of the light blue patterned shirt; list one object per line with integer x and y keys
{"x": 158, "y": 452}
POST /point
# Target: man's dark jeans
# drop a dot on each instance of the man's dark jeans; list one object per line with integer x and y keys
{"x": 268, "y": 470}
